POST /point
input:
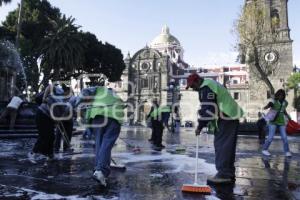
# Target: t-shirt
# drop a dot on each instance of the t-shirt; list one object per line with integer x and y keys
{"x": 15, "y": 102}
{"x": 280, "y": 108}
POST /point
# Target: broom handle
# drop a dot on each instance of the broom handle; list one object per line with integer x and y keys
{"x": 196, "y": 168}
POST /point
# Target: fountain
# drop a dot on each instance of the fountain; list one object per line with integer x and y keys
{"x": 12, "y": 73}
{"x": 13, "y": 82}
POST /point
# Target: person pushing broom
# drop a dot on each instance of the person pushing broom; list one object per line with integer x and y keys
{"x": 220, "y": 113}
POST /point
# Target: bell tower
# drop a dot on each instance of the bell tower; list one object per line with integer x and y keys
{"x": 277, "y": 19}
{"x": 275, "y": 51}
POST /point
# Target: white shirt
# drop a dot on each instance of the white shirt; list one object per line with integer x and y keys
{"x": 15, "y": 102}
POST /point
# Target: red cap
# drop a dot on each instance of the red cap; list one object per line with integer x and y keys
{"x": 192, "y": 78}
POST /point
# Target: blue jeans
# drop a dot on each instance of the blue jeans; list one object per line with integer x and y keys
{"x": 106, "y": 134}
{"x": 272, "y": 129}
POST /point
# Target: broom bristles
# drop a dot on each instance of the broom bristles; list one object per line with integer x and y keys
{"x": 205, "y": 189}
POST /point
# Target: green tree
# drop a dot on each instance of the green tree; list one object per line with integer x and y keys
{"x": 37, "y": 22}
{"x": 253, "y": 34}
{"x": 294, "y": 81}
{"x": 62, "y": 50}
{"x": 294, "y": 84}
{"x": 102, "y": 58}
{"x": 49, "y": 38}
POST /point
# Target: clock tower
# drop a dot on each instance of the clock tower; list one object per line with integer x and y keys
{"x": 275, "y": 51}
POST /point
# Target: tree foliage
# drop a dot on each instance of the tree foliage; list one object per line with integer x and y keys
{"x": 253, "y": 34}
{"x": 37, "y": 22}
{"x": 53, "y": 40}
{"x": 61, "y": 50}
{"x": 294, "y": 84}
{"x": 294, "y": 81}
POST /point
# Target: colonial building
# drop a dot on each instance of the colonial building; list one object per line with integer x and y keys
{"x": 158, "y": 71}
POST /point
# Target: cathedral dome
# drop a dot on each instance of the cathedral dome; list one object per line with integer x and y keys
{"x": 164, "y": 38}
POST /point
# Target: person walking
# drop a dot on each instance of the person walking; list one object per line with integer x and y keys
{"x": 11, "y": 110}
{"x": 261, "y": 127}
{"x": 279, "y": 104}
{"x": 148, "y": 117}
{"x": 107, "y": 115}
{"x": 221, "y": 114}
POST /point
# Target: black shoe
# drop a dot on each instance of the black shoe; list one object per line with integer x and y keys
{"x": 68, "y": 150}
{"x": 220, "y": 180}
{"x": 161, "y": 146}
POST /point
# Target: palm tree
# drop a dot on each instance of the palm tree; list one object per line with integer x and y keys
{"x": 4, "y": 1}
{"x": 62, "y": 49}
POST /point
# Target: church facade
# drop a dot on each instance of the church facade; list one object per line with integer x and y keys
{"x": 158, "y": 71}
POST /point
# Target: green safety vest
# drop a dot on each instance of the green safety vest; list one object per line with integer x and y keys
{"x": 226, "y": 103}
{"x": 107, "y": 105}
{"x": 158, "y": 111}
{"x": 280, "y": 120}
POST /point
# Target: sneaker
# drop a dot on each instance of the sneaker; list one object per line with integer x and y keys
{"x": 219, "y": 180}
{"x": 265, "y": 152}
{"x": 99, "y": 177}
{"x": 288, "y": 154}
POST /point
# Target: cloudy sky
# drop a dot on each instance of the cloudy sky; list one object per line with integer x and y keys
{"x": 204, "y": 27}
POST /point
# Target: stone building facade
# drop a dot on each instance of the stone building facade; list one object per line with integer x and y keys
{"x": 158, "y": 71}
{"x": 275, "y": 51}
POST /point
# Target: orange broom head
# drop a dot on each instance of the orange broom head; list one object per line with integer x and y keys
{"x": 204, "y": 189}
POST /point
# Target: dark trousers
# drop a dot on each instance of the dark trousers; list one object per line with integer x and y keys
{"x": 152, "y": 131}
{"x": 12, "y": 113}
{"x": 45, "y": 141}
{"x": 261, "y": 126}
{"x": 68, "y": 127}
{"x": 225, "y": 147}
{"x": 158, "y": 129}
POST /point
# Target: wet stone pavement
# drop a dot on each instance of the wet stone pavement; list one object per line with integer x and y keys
{"x": 149, "y": 174}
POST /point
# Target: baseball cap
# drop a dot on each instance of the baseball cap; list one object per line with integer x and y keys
{"x": 192, "y": 78}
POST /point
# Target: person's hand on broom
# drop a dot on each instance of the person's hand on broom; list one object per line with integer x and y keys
{"x": 198, "y": 131}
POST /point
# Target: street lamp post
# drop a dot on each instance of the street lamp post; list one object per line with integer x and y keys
{"x": 172, "y": 87}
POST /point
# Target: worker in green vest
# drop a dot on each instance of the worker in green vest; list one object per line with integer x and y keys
{"x": 106, "y": 114}
{"x": 159, "y": 118}
{"x": 221, "y": 114}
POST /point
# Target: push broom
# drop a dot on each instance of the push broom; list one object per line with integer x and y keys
{"x": 196, "y": 188}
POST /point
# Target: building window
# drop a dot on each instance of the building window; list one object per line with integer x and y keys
{"x": 145, "y": 66}
{"x": 145, "y": 83}
{"x": 235, "y": 81}
{"x": 275, "y": 20}
{"x": 236, "y": 95}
